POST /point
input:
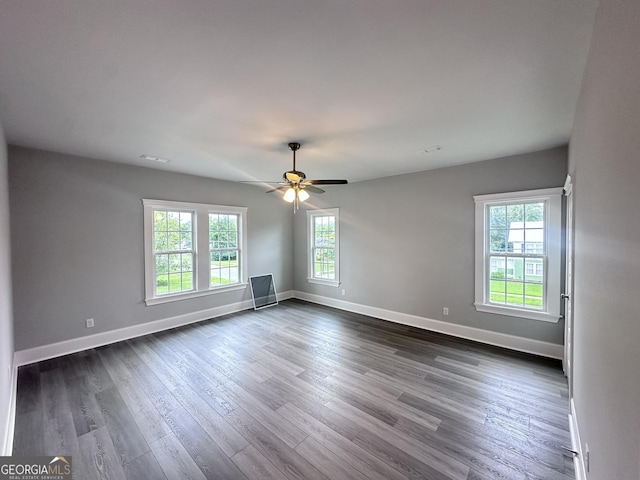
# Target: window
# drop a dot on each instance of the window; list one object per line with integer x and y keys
{"x": 324, "y": 233}
{"x": 173, "y": 251}
{"x": 518, "y": 254}
{"x": 223, "y": 248}
{"x": 192, "y": 249}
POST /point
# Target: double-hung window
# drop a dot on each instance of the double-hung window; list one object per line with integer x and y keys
{"x": 192, "y": 249}
{"x": 518, "y": 254}
{"x": 173, "y": 250}
{"x": 324, "y": 246}
{"x": 224, "y": 249}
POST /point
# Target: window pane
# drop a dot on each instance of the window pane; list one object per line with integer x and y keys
{"x": 174, "y": 263}
{"x": 162, "y": 264}
{"x": 215, "y": 276}
{"x": 534, "y": 270}
{"x": 234, "y": 274}
{"x": 497, "y": 291}
{"x": 160, "y": 221}
{"x": 173, "y": 240}
{"x": 498, "y": 268}
{"x": 498, "y": 216}
{"x": 172, "y": 230}
{"x": 516, "y": 238}
{"x": 515, "y": 268}
{"x": 185, "y": 222}
{"x": 534, "y": 239}
{"x": 515, "y": 213}
{"x": 498, "y": 241}
{"x": 160, "y": 241}
{"x": 534, "y": 212}
{"x": 224, "y": 275}
{"x": 187, "y": 262}
{"x": 162, "y": 284}
{"x": 185, "y": 240}
{"x": 533, "y": 295}
{"x": 325, "y": 263}
{"x": 187, "y": 281}
{"x": 175, "y": 282}
{"x": 515, "y": 293}
{"x": 232, "y": 239}
{"x": 324, "y": 231}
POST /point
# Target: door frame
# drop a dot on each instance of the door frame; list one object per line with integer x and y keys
{"x": 567, "y": 362}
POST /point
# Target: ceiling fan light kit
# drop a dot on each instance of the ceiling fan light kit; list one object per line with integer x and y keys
{"x": 302, "y": 195}
{"x": 289, "y": 195}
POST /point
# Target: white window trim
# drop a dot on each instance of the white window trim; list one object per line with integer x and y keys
{"x": 311, "y": 214}
{"x": 201, "y": 246}
{"x": 553, "y": 238}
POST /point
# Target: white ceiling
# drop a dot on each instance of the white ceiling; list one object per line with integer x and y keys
{"x": 220, "y": 86}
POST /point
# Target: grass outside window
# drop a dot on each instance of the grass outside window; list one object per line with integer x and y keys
{"x": 516, "y": 293}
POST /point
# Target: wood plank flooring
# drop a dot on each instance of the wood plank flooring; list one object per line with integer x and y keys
{"x": 297, "y": 391}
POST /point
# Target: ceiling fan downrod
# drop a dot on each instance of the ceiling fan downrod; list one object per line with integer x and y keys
{"x": 294, "y": 146}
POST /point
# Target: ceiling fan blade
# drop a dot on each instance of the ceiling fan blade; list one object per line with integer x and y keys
{"x": 259, "y": 181}
{"x": 312, "y": 189}
{"x": 279, "y": 189}
{"x": 327, "y": 182}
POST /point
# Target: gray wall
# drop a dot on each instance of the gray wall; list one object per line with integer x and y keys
{"x": 407, "y": 242}
{"x": 605, "y": 164}
{"x": 76, "y": 229}
{"x": 6, "y": 319}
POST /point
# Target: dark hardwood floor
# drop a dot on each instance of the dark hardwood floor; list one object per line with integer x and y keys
{"x": 297, "y": 391}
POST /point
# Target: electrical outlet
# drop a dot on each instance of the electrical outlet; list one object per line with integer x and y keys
{"x": 344, "y": 292}
{"x": 90, "y": 322}
{"x": 445, "y": 310}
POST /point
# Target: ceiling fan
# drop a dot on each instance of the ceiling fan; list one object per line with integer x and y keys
{"x": 295, "y": 185}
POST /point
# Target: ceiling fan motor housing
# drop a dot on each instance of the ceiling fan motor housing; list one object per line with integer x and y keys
{"x": 290, "y": 174}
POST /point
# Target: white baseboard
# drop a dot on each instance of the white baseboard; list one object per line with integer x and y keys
{"x": 576, "y": 444}
{"x": 6, "y": 448}
{"x": 521, "y": 344}
{"x": 44, "y": 352}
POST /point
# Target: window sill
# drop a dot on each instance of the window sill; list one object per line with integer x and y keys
{"x": 188, "y": 295}
{"x": 319, "y": 281}
{"x": 517, "y": 312}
